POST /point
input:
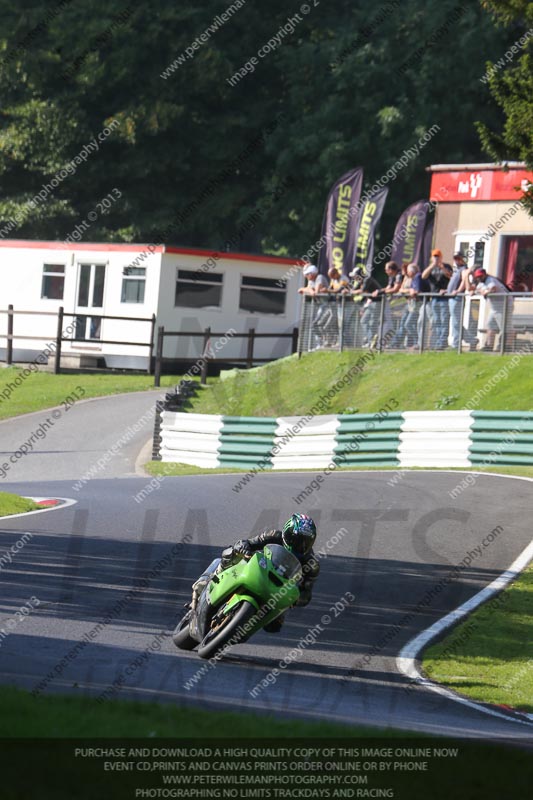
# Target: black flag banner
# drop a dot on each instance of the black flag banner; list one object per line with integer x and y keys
{"x": 367, "y": 220}
{"x": 425, "y": 253}
{"x": 339, "y": 227}
{"x": 409, "y": 233}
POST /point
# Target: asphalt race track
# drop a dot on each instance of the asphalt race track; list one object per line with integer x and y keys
{"x": 398, "y": 543}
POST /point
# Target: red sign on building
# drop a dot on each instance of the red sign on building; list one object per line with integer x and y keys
{"x": 472, "y": 185}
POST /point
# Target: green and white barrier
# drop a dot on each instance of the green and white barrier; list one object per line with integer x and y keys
{"x": 435, "y": 439}
{"x": 387, "y": 438}
{"x": 501, "y": 437}
{"x": 312, "y": 442}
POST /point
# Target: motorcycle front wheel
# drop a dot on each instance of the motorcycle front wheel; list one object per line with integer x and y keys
{"x": 226, "y": 631}
{"x": 181, "y": 636}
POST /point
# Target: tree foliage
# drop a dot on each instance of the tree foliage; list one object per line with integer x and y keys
{"x": 511, "y": 85}
{"x": 202, "y": 162}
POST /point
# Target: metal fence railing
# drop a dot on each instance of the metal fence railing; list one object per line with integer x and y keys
{"x": 501, "y": 323}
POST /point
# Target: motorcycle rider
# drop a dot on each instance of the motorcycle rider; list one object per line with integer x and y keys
{"x": 298, "y": 537}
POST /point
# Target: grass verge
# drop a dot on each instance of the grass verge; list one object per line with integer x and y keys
{"x": 291, "y": 386}
{"x": 172, "y": 469}
{"x": 489, "y": 656}
{"x": 63, "y": 716}
{"x": 424, "y": 382}
{"x": 46, "y": 734}
{"x": 13, "y": 504}
{"x": 44, "y": 390}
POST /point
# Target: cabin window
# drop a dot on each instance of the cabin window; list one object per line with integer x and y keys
{"x": 53, "y": 284}
{"x": 133, "y": 284}
{"x": 518, "y": 263}
{"x": 262, "y": 295}
{"x": 195, "y": 289}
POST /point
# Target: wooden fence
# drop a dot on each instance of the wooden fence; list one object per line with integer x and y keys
{"x": 55, "y": 342}
{"x": 202, "y": 362}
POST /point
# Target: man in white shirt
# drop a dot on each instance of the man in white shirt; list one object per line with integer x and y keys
{"x": 488, "y": 286}
{"x": 316, "y": 284}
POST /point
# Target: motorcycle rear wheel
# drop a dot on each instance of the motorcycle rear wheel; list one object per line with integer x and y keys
{"x": 181, "y": 636}
{"x": 227, "y": 634}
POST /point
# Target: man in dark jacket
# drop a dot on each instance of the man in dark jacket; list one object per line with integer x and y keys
{"x": 298, "y": 536}
{"x": 367, "y": 285}
{"x": 438, "y": 274}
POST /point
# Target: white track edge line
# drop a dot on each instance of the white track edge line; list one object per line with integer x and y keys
{"x": 406, "y": 660}
{"x": 67, "y": 502}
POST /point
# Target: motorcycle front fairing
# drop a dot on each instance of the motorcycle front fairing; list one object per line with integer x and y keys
{"x": 269, "y": 579}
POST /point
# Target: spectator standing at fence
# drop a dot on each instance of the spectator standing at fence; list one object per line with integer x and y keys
{"x": 438, "y": 275}
{"x": 367, "y": 285}
{"x": 394, "y": 283}
{"x": 403, "y": 292}
{"x": 455, "y": 303}
{"x": 338, "y": 283}
{"x": 317, "y": 287}
{"x": 417, "y": 307}
{"x": 331, "y": 319}
{"x": 494, "y": 290}
{"x": 394, "y": 278}
{"x": 316, "y": 284}
{"x": 468, "y": 286}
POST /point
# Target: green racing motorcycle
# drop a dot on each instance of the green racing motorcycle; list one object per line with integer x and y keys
{"x": 230, "y": 606}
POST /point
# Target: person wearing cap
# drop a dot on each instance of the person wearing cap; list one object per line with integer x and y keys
{"x": 317, "y": 287}
{"x": 488, "y": 286}
{"x": 438, "y": 274}
{"x": 455, "y": 303}
{"x": 316, "y": 284}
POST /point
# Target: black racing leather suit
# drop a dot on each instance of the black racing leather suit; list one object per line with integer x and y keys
{"x": 247, "y": 547}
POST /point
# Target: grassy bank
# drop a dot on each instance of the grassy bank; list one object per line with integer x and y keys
{"x": 61, "y": 716}
{"x": 291, "y": 386}
{"x": 13, "y": 504}
{"x": 417, "y": 382}
{"x": 489, "y": 656}
{"x": 45, "y": 390}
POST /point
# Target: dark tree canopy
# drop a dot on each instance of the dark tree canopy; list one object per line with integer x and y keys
{"x": 204, "y": 158}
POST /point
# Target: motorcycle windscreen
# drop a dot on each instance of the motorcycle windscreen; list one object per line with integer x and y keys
{"x": 286, "y": 565}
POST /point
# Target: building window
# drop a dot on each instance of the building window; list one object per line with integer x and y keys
{"x": 53, "y": 282}
{"x": 133, "y": 284}
{"x": 196, "y": 289}
{"x": 479, "y": 254}
{"x": 518, "y": 263}
{"x": 262, "y": 295}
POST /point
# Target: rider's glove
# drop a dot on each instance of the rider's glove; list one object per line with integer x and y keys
{"x": 243, "y": 548}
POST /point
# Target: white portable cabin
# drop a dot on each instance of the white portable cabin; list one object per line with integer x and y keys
{"x": 186, "y": 289}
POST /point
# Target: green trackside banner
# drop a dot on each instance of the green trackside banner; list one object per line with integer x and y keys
{"x": 339, "y": 225}
{"x": 367, "y": 220}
